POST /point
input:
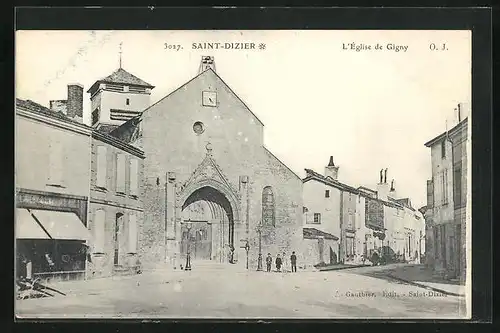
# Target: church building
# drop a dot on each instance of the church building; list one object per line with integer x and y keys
{"x": 210, "y": 187}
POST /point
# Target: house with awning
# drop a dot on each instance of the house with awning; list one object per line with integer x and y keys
{"x": 78, "y": 194}
{"x": 52, "y": 190}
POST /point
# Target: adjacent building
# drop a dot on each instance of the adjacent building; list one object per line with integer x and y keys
{"x": 52, "y": 189}
{"x": 446, "y": 202}
{"x": 78, "y": 194}
{"x": 358, "y": 222}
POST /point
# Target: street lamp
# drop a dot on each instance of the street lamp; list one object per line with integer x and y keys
{"x": 188, "y": 254}
{"x": 247, "y": 248}
{"x": 259, "y": 260}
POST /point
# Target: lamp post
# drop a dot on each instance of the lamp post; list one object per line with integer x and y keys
{"x": 259, "y": 260}
{"x": 247, "y": 248}
{"x": 188, "y": 252}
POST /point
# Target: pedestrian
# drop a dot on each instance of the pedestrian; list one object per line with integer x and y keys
{"x": 293, "y": 261}
{"x": 269, "y": 261}
{"x": 278, "y": 262}
{"x": 285, "y": 263}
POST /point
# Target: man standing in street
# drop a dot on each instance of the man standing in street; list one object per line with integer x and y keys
{"x": 293, "y": 261}
{"x": 269, "y": 261}
{"x": 278, "y": 263}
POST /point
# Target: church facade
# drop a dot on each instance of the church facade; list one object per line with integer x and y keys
{"x": 210, "y": 187}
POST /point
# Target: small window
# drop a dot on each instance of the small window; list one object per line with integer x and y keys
{"x": 443, "y": 149}
{"x": 128, "y": 101}
{"x": 327, "y": 193}
{"x": 317, "y": 218}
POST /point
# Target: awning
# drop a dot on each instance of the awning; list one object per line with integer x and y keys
{"x": 27, "y": 227}
{"x": 62, "y": 225}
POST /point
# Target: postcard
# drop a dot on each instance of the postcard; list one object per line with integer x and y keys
{"x": 318, "y": 174}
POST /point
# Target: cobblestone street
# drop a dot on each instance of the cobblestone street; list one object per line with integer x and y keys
{"x": 219, "y": 293}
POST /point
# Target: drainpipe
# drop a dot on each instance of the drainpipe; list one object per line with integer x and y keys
{"x": 88, "y": 202}
{"x": 341, "y": 248}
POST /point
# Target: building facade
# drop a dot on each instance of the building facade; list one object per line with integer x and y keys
{"x": 79, "y": 197}
{"x": 116, "y": 206}
{"x": 365, "y": 221}
{"x": 52, "y": 192}
{"x": 211, "y": 188}
{"x": 446, "y": 203}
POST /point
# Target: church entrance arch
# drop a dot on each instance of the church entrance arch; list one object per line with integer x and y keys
{"x": 207, "y": 223}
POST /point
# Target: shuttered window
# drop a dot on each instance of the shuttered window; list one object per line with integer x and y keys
{"x": 134, "y": 177}
{"x": 132, "y": 233}
{"x": 56, "y": 157}
{"x": 444, "y": 184}
{"x": 430, "y": 193}
{"x": 99, "y": 230}
{"x": 101, "y": 166}
{"x": 120, "y": 173}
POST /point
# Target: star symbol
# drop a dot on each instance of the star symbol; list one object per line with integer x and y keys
{"x": 262, "y": 46}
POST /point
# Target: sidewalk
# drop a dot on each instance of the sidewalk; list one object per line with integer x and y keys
{"x": 421, "y": 276}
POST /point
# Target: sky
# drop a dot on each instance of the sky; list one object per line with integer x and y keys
{"x": 369, "y": 109}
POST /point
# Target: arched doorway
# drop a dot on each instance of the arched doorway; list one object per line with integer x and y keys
{"x": 207, "y": 225}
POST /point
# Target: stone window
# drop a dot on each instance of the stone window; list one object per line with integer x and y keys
{"x": 132, "y": 233}
{"x": 268, "y": 209}
{"x": 127, "y": 101}
{"x": 317, "y": 218}
{"x": 443, "y": 149}
{"x": 99, "y": 230}
{"x": 457, "y": 186}
{"x": 120, "y": 173}
{"x": 101, "y": 166}
{"x": 134, "y": 176}
{"x": 327, "y": 193}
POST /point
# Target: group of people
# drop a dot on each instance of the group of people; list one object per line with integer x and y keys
{"x": 279, "y": 262}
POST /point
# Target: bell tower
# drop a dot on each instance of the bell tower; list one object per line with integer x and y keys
{"x": 118, "y": 98}
{"x": 206, "y": 63}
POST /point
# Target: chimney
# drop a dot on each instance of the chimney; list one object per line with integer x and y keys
{"x": 331, "y": 171}
{"x": 75, "y": 102}
{"x": 392, "y": 191}
{"x": 206, "y": 63}
{"x": 383, "y": 186}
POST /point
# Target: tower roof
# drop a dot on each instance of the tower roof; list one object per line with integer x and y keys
{"x": 121, "y": 76}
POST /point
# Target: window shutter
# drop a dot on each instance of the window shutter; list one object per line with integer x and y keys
{"x": 132, "y": 233}
{"x": 120, "y": 173}
{"x": 56, "y": 156}
{"x": 101, "y": 166}
{"x": 134, "y": 175}
{"x": 99, "y": 230}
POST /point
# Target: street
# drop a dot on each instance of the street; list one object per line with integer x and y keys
{"x": 221, "y": 293}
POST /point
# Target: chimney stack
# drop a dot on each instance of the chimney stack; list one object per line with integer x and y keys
{"x": 383, "y": 186}
{"x": 331, "y": 171}
{"x": 392, "y": 191}
{"x": 75, "y": 102}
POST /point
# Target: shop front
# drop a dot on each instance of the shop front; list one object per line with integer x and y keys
{"x": 50, "y": 245}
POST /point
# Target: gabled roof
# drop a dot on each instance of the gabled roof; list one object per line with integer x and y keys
{"x": 121, "y": 76}
{"x": 311, "y": 174}
{"x": 449, "y": 133}
{"x": 100, "y": 135}
{"x": 312, "y": 233}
